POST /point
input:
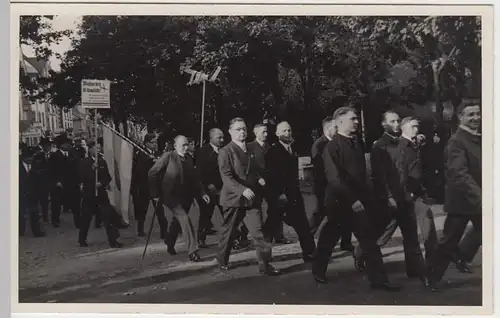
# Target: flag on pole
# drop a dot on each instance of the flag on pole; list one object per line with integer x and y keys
{"x": 118, "y": 154}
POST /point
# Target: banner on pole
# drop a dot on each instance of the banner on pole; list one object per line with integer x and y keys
{"x": 95, "y": 93}
{"x": 118, "y": 154}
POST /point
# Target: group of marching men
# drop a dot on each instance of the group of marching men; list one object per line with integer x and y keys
{"x": 238, "y": 176}
{"x": 64, "y": 171}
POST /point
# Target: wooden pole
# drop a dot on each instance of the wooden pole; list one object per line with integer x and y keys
{"x": 202, "y": 113}
{"x": 97, "y": 154}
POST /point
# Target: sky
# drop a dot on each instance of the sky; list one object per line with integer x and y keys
{"x": 59, "y": 23}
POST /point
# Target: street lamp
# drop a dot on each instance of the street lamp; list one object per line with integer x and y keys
{"x": 200, "y": 77}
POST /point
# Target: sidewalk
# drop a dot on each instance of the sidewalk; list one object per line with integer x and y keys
{"x": 86, "y": 272}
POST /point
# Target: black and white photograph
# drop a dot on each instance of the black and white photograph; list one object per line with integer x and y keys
{"x": 253, "y": 159}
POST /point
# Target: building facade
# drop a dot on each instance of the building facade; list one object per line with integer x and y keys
{"x": 38, "y": 118}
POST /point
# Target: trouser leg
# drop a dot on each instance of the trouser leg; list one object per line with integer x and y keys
{"x": 56, "y": 197}
{"x": 471, "y": 241}
{"x": 328, "y": 238}
{"x": 427, "y": 226}
{"x": 319, "y": 213}
{"x": 109, "y": 219}
{"x": 254, "y": 223}
{"x": 298, "y": 221}
{"x": 204, "y": 221}
{"x": 407, "y": 222}
{"x": 453, "y": 230}
{"x": 188, "y": 231}
{"x": 88, "y": 210}
{"x": 231, "y": 218}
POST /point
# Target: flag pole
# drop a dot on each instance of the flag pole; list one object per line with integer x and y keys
{"x": 202, "y": 112}
{"x": 97, "y": 154}
{"x": 128, "y": 140}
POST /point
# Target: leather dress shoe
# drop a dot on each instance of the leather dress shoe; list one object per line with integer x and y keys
{"x": 282, "y": 240}
{"x": 202, "y": 244}
{"x": 170, "y": 248}
{"x": 359, "y": 264}
{"x": 194, "y": 257}
{"x": 320, "y": 278}
{"x": 116, "y": 244}
{"x": 84, "y": 244}
{"x": 269, "y": 270}
{"x": 385, "y": 286}
{"x": 463, "y": 267}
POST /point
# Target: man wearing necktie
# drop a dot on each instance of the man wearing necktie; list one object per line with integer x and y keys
{"x": 285, "y": 198}
{"x": 209, "y": 174}
{"x": 41, "y": 178}
{"x": 241, "y": 198}
{"x": 174, "y": 183}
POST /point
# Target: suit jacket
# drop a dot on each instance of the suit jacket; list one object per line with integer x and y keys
{"x": 463, "y": 194}
{"x": 64, "y": 169}
{"x": 173, "y": 181}
{"x": 411, "y": 169}
{"x": 86, "y": 174}
{"x": 317, "y": 161}
{"x": 208, "y": 167}
{"x": 239, "y": 170}
{"x": 259, "y": 153}
{"x": 40, "y": 171}
{"x": 345, "y": 170}
{"x": 385, "y": 158}
{"x": 283, "y": 173}
{"x": 25, "y": 184}
{"x": 140, "y": 180}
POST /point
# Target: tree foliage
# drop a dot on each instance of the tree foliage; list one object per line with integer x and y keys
{"x": 281, "y": 67}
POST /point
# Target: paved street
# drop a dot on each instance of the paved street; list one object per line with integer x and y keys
{"x": 55, "y": 269}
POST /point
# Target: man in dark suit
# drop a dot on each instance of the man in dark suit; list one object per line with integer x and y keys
{"x": 93, "y": 204}
{"x": 259, "y": 148}
{"x": 208, "y": 171}
{"x": 348, "y": 199}
{"x": 140, "y": 188}
{"x": 26, "y": 200}
{"x": 65, "y": 189}
{"x": 174, "y": 183}
{"x": 463, "y": 195}
{"x": 329, "y": 129}
{"x": 285, "y": 197}
{"x": 241, "y": 198}
{"x": 42, "y": 178}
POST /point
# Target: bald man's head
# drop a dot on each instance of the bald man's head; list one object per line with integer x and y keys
{"x": 181, "y": 145}
{"x": 284, "y": 132}
{"x": 216, "y": 137}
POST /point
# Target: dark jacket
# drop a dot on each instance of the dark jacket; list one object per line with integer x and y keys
{"x": 87, "y": 179}
{"x": 174, "y": 181}
{"x": 208, "y": 167}
{"x": 239, "y": 170}
{"x": 259, "y": 153}
{"x": 64, "y": 169}
{"x": 463, "y": 194}
{"x": 140, "y": 181}
{"x": 25, "y": 184}
{"x": 40, "y": 171}
{"x": 345, "y": 169}
{"x": 283, "y": 174}
{"x": 317, "y": 161}
{"x": 385, "y": 157}
{"x": 411, "y": 170}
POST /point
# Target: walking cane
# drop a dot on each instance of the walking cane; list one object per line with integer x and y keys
{"x": 155, "y": 207}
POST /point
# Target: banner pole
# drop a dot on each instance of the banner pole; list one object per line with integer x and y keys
{"x": 97, "y": 154}
{"x": 202, "y": 113}
{"x": 128, "y": 140}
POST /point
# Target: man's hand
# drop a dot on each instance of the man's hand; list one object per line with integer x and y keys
{"x": 392, "y": 203}
{"x": 59, "y": 185}
{"x": 262, "y": 182}
{"x": 283, "y": 199}
{"x": 248, "y": 194}
{"x": 155, "y": 201}
{"x": 206, "y": 198}
{"x": 98, "y": 185}
{"x": 358, "y": 207}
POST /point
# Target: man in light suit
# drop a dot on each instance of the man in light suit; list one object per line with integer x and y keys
{"x": 173, "y": 182}
{"x": 241, "y": 198}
